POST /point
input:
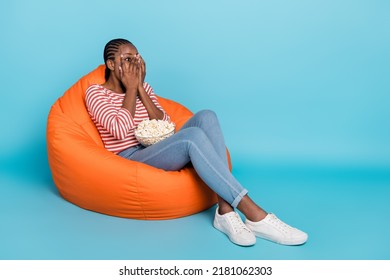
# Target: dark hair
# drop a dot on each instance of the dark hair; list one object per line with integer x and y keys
{"x": 109, "y": 52}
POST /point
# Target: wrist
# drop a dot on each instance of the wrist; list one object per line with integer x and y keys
{"x": 131, "y": 91}
{"x": 140, "y": 86}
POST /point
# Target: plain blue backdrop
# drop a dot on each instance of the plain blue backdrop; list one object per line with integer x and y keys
{"x": 301, "y": 89}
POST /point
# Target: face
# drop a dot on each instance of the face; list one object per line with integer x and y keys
{"x": 125, "y": 52}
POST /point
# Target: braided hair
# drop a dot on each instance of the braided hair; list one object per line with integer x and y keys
{"x": 109, "y": 52}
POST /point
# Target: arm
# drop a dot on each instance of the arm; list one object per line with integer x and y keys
{"x": 129, "y": 78}
{"x": 147, "y": 96}
{"x": 133, "y": 71}
{"x": 117, "y": 122}
{"x": 150, "y": 105}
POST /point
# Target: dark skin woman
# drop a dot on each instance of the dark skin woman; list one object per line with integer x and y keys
{"x": 196, "y": 142}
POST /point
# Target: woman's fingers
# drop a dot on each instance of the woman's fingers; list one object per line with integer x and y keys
{"x": 142, "y": 69}
{"x": 125, "y": 65}
{"x": 129, "y": 70}
{"x": 142, "y": 62}
{"x": 133, "y": 65}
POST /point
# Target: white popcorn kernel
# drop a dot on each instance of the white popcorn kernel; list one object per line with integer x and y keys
{"x": 150, "y": 132}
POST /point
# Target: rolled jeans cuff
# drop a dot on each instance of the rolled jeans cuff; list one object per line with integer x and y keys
{"x": 239, "y": 197}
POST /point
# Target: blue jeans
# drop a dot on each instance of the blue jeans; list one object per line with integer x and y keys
{"x": 200, "y": 141}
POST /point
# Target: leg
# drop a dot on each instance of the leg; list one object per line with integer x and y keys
{"x": 207, "y": 121}
{"x": 263, "y": 224}
{"x": 192, "y": 144}
{"x": 251, "y": 210}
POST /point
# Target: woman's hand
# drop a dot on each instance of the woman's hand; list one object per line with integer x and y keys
{"x": 129, "y": 70}
{"x": 142, "y": 72}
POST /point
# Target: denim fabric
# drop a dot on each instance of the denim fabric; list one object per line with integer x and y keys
{"x": 200, "y": 141}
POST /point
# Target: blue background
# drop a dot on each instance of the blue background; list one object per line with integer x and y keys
{"x": 301, "y": 89}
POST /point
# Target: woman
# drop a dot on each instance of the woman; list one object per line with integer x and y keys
{"x": 124, "y": 100}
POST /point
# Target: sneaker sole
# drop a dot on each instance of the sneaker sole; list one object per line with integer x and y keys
{"x": 295, "y": 242}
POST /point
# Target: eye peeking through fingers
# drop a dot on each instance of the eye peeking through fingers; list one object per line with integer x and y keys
{"x": 128, "y": 57}
{"x": 131, "y": 58}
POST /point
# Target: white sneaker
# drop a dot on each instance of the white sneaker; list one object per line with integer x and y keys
{"x": 273, "y": 229}
{"x": 232, "y": 225}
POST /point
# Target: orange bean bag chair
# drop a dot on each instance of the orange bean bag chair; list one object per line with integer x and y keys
{"x": 88, "y": 175}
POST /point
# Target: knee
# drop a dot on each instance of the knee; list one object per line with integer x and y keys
{"x": 207, "y": 115}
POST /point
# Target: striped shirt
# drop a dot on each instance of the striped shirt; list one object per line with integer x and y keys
{"x": 116, "y": 124}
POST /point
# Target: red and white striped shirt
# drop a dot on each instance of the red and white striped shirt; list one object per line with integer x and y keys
{"x": 116, "y": 124}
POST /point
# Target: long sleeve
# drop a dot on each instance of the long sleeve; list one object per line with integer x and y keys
{"x": 116, "y": 124}
{"x": 107, "y": 112}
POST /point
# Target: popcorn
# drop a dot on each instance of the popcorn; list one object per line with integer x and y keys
{"x": 150, "y": 132}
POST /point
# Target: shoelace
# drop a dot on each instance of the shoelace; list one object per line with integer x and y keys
{"x": 278, "y": 223}
{"x": 237, "y": 223}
